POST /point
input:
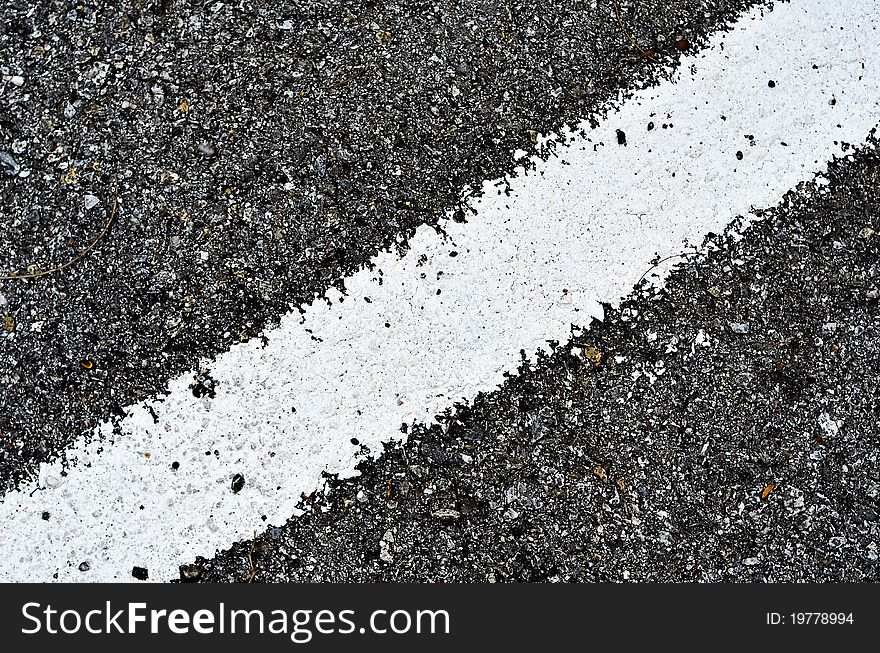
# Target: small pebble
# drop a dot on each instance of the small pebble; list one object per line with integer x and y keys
{"x": 190, "y": 573}
{"x": 140, "y": 573}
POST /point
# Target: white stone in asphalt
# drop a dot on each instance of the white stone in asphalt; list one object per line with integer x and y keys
{"x": 448, "y": 320}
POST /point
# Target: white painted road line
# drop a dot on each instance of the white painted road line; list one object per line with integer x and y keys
{"x": 446, "y": 321}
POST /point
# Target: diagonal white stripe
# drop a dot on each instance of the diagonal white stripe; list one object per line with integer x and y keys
{"x": 580, "y": 231}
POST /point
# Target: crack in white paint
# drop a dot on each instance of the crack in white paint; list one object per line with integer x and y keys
{"x": 438, "y": 328}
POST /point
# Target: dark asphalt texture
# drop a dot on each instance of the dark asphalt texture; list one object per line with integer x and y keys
{"x": 263, "y": 151}
{"x": 753, "y": 455}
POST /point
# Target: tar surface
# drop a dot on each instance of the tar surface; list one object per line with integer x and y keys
{"x": 725, "y": 428}
{"x": 258, "y": 151}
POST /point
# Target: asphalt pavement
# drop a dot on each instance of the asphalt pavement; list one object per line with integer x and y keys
{"x": 180, "y": 183}
{"x": 722, "y": 428}
{"x": 259, "y": 152}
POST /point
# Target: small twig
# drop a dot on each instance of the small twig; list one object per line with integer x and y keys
{"x": 253, "y": 571}
{"x": 645, "y": 53}
{"x": 661, "y": 261}
{"x": 359, "y": 72}
{"x": 81, "y": 255}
